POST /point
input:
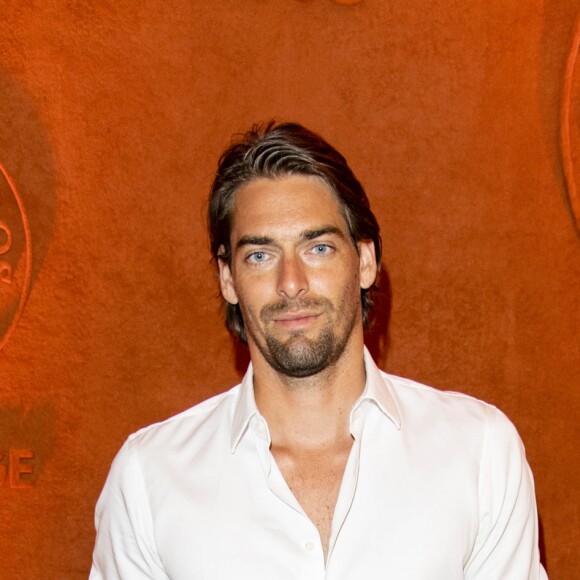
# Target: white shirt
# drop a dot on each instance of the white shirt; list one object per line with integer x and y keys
{"x": 436, "y": 488}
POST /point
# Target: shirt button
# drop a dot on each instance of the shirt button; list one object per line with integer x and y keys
{"x": 309, "y": 546}
{"x": 260, "y": 427}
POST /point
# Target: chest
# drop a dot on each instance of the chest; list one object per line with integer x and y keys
{"x": 393, "y": 517}
{"x": 314, "y": 477}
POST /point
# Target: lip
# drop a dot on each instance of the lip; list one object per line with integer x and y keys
{"x": 295, "y": 320}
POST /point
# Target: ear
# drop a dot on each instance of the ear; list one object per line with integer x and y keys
{"x": 367, "y": 263}
{"x": 226, "y": 280}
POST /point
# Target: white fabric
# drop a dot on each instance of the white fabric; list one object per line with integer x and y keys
{"x": 436, "y": 488}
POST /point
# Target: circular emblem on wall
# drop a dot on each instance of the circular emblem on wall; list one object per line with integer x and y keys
{"x": 570, "y": 126}
{"x": 15, "y": 256}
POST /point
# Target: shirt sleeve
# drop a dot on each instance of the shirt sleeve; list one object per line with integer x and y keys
{"x": 125, "y": 546}
{"x": 506, "y": 547}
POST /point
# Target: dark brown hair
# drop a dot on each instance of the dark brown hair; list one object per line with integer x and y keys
{"x": 273, "y": 151}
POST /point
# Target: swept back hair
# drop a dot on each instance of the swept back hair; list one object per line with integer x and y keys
{"x": 277, "y": 150}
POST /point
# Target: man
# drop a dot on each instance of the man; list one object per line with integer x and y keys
{"x": 319, "y": 465}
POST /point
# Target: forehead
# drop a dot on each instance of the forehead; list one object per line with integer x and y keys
{"x": 285, "y": 206}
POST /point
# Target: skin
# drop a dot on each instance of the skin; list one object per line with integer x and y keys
{"x": 297, "y": 277}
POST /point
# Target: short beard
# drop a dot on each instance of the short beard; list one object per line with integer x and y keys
{"x": 300, "y": 357}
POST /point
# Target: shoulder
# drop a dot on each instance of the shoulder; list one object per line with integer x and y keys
{"x": 453, "y": 411}
{"x": 152, "y": 456}
{"x": 201, "y": 421}
{"x": 409, "y": 392}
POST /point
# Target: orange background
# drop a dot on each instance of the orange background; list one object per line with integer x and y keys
{"x": 112, "y": 116}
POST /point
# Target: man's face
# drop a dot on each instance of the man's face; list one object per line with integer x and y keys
{"x": 295, "y": 273}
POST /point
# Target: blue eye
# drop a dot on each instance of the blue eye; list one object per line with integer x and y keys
{"x": 257, "y": 257}
{"x": 321, "y": 249}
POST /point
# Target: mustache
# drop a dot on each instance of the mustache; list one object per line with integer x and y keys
{"x": 288, "y": 306}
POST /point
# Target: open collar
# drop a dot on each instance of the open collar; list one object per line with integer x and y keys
{"x": 378, "y": 390}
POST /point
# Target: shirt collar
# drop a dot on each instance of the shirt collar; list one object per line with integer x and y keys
{"x": 378, "y": 390}
{"x": 245, "y": 408}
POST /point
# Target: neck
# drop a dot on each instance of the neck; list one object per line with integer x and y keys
{"x": 310, "y": 412}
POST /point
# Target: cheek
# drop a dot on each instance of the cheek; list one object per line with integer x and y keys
{"x": 351, "y": 291}
{"x": 250, "y": 317}
{"x": 252, "y": 296}
{"x": 341, "y": 281}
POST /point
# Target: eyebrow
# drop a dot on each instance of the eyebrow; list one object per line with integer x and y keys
{"x": 323, "y": 231}
{"x": 305, "y": 235}
{"x": 254, "y": 241}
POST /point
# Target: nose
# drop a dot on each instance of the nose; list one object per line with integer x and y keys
{"x": 292, "y": 278}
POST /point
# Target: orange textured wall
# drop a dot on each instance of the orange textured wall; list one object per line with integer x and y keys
{"x": 112, "y": 115}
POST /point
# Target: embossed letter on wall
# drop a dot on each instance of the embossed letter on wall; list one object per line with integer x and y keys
{"x": 15, "y": 256}
{"x": 570, "y": 125}
{"x": 16, "y": 468}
